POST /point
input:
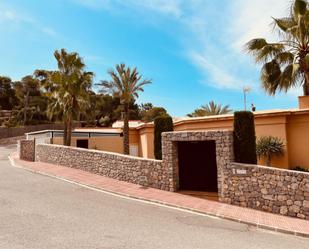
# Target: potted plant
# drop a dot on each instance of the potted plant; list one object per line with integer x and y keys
{"x": 268, "y": 147}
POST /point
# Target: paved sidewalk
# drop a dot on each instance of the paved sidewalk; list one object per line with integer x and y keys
{"x": 244, "y": 215}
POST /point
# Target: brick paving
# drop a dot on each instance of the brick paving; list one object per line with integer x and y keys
{"x": 244, "y": 215}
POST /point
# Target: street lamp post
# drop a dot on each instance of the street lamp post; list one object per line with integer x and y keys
{"x": 246, "y": 90}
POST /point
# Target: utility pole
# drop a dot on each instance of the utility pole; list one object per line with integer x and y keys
{"x": 246, "y": 90}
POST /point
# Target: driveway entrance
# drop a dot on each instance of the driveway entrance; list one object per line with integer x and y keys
{"x": 197, "y": 166}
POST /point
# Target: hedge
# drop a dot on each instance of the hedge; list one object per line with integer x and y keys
{"x": 161, "y": 124}
{"x": 244, "y": 138}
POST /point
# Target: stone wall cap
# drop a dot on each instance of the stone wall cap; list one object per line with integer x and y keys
{"x": 223, "y": 131}
{"x": 196, "y": 132}
{"x": 269, "y": 168}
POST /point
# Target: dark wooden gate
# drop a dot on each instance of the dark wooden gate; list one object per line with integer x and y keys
{"x": 197, "y": 166}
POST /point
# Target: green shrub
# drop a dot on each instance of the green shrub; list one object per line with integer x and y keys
{"x": 161, "y": 124}
{"x": 269, "y": 146}
{"x": 244, "y": 138}
{"x": 299, "y": 168}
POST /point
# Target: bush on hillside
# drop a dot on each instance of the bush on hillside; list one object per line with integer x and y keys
{"x": 299, "y": 168}
{"x": 244, "y": 138}
{"x": 161, "y": 124}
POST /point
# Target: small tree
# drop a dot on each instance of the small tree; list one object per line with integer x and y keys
{"x": 210, "y": 109}
{"x": 244, "y": 137}
{"x": 268, "y": 147}
{"x": 161, "y": 124}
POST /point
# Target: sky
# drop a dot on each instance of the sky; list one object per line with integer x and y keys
{"x": 192, "y": 50}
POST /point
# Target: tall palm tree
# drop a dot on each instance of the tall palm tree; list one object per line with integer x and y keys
{"x": 285, "y": 64}
{"x": 210, "y": 109}
{"x": 126, "y": 84}
{"x": 68, "y": 89}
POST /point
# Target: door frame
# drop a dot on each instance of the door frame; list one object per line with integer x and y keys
{"x": 184, "y": 172}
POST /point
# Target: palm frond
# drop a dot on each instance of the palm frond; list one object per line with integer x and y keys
{"x": 270, "y": 77}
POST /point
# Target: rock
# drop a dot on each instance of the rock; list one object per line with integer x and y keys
{"x": 301, "y": 216}
{"x": 283, "y": 210}
{"x": 294, "y": 209}
{"x": 282, "y": 198}
{"x": 264, "y": 191}
{"x": 306, "y": 204}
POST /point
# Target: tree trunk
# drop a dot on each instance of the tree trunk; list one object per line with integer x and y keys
{"x": 306, "y": 84}
{"x": 268, "y": 160}
{"x": 69, "y": 131}
{"x": 26, "y": 103}
{"x": 65, "y": 131}
{"x": 78, "y": 119}
{"x": 126, "y": 142}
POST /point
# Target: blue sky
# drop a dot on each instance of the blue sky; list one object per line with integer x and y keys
{"x": 191, "y": 49}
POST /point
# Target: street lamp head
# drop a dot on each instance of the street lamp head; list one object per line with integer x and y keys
{"x": 246, "y": 89}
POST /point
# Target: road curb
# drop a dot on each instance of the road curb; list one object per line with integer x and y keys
{"x": 162, "y": 203}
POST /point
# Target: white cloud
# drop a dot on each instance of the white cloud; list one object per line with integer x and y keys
{"x": 213, "y": 32}
{"x": 219, "y": 77}
{"x": 251, "y": 19}
{"x": 220, "y": 36}
{"x": 9, "y": 15}
{"x": 170, "y": 7}
{"x": 94, "y": 4}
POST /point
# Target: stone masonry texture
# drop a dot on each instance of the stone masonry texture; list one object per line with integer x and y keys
{"x": 269, "y": 189}
{"x": 145, "y": 172}
{"x": 26, "y": 150}
{"x": 284, "y": 192}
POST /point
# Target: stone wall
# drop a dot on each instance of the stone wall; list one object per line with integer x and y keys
{"x": 284, "y": 192}
{"x": 11, "y": 140}
{"x": 26, "y": 150}
{"x": 20, "y": 131}
{"x": 146, "y": 172}
{"x": 269, "y": 189}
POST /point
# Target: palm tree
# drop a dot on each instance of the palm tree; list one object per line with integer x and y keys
{"x": 210, "y": 109}
{"x": 268, "y": 147}
{"x": 126, "y": 84}
{"x": 285, "y": 64}
{"x": 68, "y": 89}
{"x": 27, "y": 86}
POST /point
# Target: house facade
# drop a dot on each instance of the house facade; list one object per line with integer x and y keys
{"x": 291, "y": 125}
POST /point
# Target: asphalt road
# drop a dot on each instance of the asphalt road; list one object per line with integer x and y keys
{"x": 41, "y": 212}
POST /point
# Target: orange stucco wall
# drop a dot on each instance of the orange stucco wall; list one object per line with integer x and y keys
{"x": 146, "y": 142}
{"x": 293, "y": 129}
{"x": 108, "y": 143}
{"x": 203, "y": 125}
{"x": 298, "y": 140}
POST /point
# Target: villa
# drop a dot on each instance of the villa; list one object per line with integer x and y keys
{"x": 291, "y": 125}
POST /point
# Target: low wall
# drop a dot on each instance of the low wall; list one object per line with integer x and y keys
{"x": 145, "y": 172}
{"x": 11, "y": 140}
{"x": 273, "y": 190}
{"x": 20, "y": 131}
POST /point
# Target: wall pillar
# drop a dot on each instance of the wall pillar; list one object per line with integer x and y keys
{"x": 26, "y": 150}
